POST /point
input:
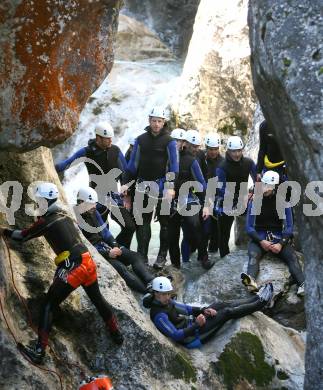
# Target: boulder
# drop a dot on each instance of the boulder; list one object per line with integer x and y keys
{"x": 172, "y": 20}
{"x": 56, "y": 54}
{"x": 136, "y": 42}
{"x": 216, "y": 89}
{"x": 287, "y": 69}
{"x": 255, "y": 353}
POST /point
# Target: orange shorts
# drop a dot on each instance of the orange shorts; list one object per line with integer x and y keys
{"x": 84, "y": 274}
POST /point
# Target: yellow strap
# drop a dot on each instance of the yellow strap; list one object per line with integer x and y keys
{"x": 62, "y": 257}
{"x": 270, "y": 165}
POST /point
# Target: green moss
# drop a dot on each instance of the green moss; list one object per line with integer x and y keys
{"x": 182, "y": 368}
{"x": 321, "y": 71}
{"x": 244, "y": 357}
{"x": 231, "y": 124}
{"x": 282, "y": 375}
{"x": 287, "y": 62}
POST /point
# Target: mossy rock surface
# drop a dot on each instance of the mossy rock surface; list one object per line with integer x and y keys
{"x": 244, "y": 359}
{"x": 182, "y": 368}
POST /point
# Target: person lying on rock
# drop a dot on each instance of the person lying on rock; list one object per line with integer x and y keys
{"x": 118, "y": 256}
{"x": 270, "y": 234}
{"x": 193, "y": 326}
{"x": 75, "y": 267}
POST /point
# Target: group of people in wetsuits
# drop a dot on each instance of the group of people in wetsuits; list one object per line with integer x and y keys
{"x": 164, "y": 161}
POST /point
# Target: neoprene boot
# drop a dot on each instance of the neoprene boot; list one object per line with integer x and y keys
{"x": 35, "y": 354}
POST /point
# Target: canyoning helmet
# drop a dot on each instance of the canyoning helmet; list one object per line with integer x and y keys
{"x": 193, "y": 137}
{"x": 47, "y": 191}
{"x": 270, "y": 178}
{"x": 104, "y": 129}
{"x": 212, "y": 140}
{"x": 178, "y": 134}
{"x": 132, "y": 140}
{"x": 87, "y": 194}
{"x": 158, "y": 112}
{"x": 162, "y": 284}
{"x": 234, "y": 143}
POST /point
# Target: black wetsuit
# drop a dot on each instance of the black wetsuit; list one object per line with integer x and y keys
{"x": 211, "y": 224}
{"x": 78, "y": 270}
{"x": 237, "y": 172}
{"x": 151, "y": 159}
{"x": 177, "y": 320}
{"x": 189, "y": 170}
{"x": 268, "y": 226}
{"x": 104, "y": 242}
{"x": 106, "y": 160}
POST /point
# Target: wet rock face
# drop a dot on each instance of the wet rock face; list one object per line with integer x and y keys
{"x": 172, "y": 20}
{"x": 216, "y": 88}
{"x": 287, "y": 67}
{"x": 53, "y": 54}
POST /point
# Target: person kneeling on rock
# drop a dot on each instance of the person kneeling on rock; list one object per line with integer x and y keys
{"x": 75, "y": 267}
{"x": 194, "y": 326}
{"x": 118, "y": 256}
{"x": 270, "y": 234}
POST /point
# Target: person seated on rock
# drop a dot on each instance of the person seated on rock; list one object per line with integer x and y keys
{"x": 270, "y": 234}
{"x": 193, "y": 326}
{"x": 118, "y": 256}
{"x": 102, "y": 156}
{"x": 235, "y": 168}
{"x": 75, "y": 267}
{"x": 189, "y": 170}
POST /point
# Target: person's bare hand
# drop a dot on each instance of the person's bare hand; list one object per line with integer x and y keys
{"x": 209, "y": 312}
{"x": 265, "y": 245}
{"x": 205, "y": 213}
{"x": 276, "y": 248}
{"x": 115, "y": 252}
{"x": 200, "y": 319}
{"x": 170, "y": 194}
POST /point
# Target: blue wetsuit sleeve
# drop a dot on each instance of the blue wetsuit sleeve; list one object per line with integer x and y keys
{"x": 105, "y": 233}
{"x": 173, "y": 158}
{"x": 122, "y": 165}
{"x": 165, "y": 326}
{"x": 250, "y": 225}
{"x": 197, "y": 174}
{"x": 219, "y": 172}
{"x": 132, "y": 166}
{"x": 61, "y": 166}
{"x": 288, "y": 224}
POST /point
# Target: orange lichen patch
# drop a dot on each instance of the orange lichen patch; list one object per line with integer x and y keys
{"x": 63, "y": 50}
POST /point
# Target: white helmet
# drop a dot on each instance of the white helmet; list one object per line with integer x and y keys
{"x": 131, "y": 140}
{"x": 178, "y": 134}
{"x": 47, "y": 190}
{"x": 234, "y": 143}
{"x": 162, "y": 284}
{"x": 158, "y": 112}
{"x": 87, "y": 194}
{"x": 270, "y": 177}
{"x": 212, "y": 140}
{"x": 104, "y": 129}
{"x": 193, "y": 137}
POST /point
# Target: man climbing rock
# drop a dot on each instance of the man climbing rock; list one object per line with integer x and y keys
{"x": 270, "y": 234}
{"x": 75, "y": 267}
{"x": 118, "y": 256}
{"x": 105, "y": 156}
{"x": 193, "y": 326}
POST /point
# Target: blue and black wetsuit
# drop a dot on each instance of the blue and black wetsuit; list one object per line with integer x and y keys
{"x": 107, "y": 160}
{"x": 189, "y": 170}
{"x": 268, "y": 226}
{"x": 211, "y": 224}
{"x": 104, "y": 242}
{"x": 152, "y": 158}
{"x": 177, "y": 320}
{"x": 237, "y": 172}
